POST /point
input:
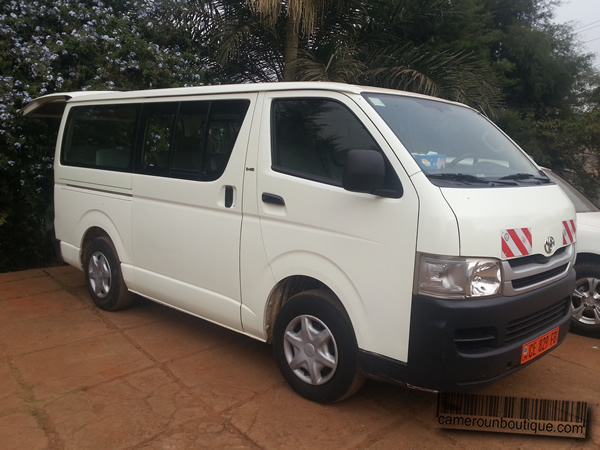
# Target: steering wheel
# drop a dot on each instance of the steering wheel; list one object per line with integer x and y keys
{"x": 458, "y": 159}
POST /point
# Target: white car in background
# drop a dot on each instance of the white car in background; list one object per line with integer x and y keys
{"x": 586, "y": 298}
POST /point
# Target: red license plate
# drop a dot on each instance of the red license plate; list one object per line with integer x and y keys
{"x": 539, "y": 345}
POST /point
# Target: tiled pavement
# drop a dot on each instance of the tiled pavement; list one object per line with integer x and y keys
{"x": 75, "y": 377}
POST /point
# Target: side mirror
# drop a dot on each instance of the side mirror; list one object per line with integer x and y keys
{"x": 364, "y": 171}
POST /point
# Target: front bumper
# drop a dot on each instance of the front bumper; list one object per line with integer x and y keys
{"x": 461, "y": 345}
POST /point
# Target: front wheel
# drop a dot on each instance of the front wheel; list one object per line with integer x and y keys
{"x": 103, "y": 276}
{"x": 316, "y": 349}
{"x": 585, "y": 317}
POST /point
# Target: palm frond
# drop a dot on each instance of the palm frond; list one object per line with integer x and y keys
{"x": 453, "y": 76}
{"x": 332, "y": 62}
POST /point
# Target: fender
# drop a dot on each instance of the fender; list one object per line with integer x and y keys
{"x": 326, "y": 271}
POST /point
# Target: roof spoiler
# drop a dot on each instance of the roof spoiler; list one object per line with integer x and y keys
{"x": 52, "y": 105}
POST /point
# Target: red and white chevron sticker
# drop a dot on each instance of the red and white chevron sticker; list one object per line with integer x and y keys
{"x": 516, "y": 242}
{"x": 568, "y": 232}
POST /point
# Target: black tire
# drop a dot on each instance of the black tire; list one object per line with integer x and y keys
{"x": 586, "y": 300}
{"x": 103, "y": 276}
{"x": 315, "y": 348}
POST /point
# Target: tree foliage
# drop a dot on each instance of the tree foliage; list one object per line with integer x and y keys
{"x": 378, "y": 42}
{"x": 48, "y": 46}
{"x": 548, "y": 86}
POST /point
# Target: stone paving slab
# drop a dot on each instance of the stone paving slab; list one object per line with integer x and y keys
{"x": 75, "y": 377}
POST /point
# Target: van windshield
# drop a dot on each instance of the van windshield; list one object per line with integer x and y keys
{"x": 455, "y": 145}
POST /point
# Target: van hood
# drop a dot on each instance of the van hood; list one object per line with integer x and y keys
{"x": 507, "y": 222}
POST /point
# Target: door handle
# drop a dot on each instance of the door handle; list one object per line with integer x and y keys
{"x": 272, "y": 198}
{"x": 228, "y": 196}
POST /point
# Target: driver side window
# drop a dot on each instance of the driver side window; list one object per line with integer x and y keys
{"x": 312, "y": 136}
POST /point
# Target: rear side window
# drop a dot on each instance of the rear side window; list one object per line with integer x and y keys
{"x": 311, "y": 138}
{"x": 159, "y": 121}
{"x": 100, "y": 136}
{"x": 191, "y": 140}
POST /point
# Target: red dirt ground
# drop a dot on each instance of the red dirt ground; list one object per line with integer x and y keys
{"x": 75, "y": 377}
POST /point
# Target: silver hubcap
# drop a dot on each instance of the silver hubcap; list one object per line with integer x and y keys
{"x": 99, "y": 275}
{"x": 310, "y": 350}
{"x": 586, "y": 301}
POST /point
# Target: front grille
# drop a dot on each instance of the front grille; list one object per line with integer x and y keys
{"x": 536, "y": 259}
{"x": 534, "y": 323}
{"x": 532, "y": 272}
{"x": 528, "y": 281}
{"x": 483, "y": 339}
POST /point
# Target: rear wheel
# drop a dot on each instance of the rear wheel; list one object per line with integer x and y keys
{"x": 316, "y": 349}
{"x": 585, "y": 317}
{"x": 103, "y": 276}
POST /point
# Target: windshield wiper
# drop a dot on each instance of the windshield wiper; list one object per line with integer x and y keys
{"x": 525, "y": 177}
{"x": 471, "y": 179}
{"x": 459, "y": 177}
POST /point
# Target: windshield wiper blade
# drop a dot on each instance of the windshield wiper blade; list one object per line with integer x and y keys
{"x": 460, "y": 177}
{"x": 471, "y": 179}
{"x": 524, "y": 177}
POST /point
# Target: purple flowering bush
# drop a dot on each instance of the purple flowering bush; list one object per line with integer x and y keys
{"x": 51, "y": 46}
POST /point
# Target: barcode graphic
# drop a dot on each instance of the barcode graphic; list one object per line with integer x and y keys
{"x": 513, "y": 415}
{"x": 513, "y": 408}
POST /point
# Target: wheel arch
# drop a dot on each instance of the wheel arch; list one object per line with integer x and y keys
{"x": 91, "y": 234}
{"x": 95, "y": 224}
{"x": 290, "y": 286}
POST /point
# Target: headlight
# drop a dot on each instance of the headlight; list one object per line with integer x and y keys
{"x": 449, "y": 277}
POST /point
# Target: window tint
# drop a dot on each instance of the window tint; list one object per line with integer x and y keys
{"x": 190, "y": 131}
{"x": 224, "y": 123}
{"x": 101, "y": 135}
{"x": 159, "y": 120}
{"x": 312, "y": 137}
{"x": 191, "y": 140}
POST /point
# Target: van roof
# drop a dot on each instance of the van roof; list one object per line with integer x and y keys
{"x": 52, "y": 105}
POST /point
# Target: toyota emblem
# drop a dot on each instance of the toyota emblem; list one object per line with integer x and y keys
{"x": 549, "y": 245}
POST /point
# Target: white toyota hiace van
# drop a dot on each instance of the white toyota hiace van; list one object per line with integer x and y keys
{"x": 362, "y": 231}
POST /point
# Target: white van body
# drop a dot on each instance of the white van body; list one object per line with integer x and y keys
{"x": 345, "y": 272}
